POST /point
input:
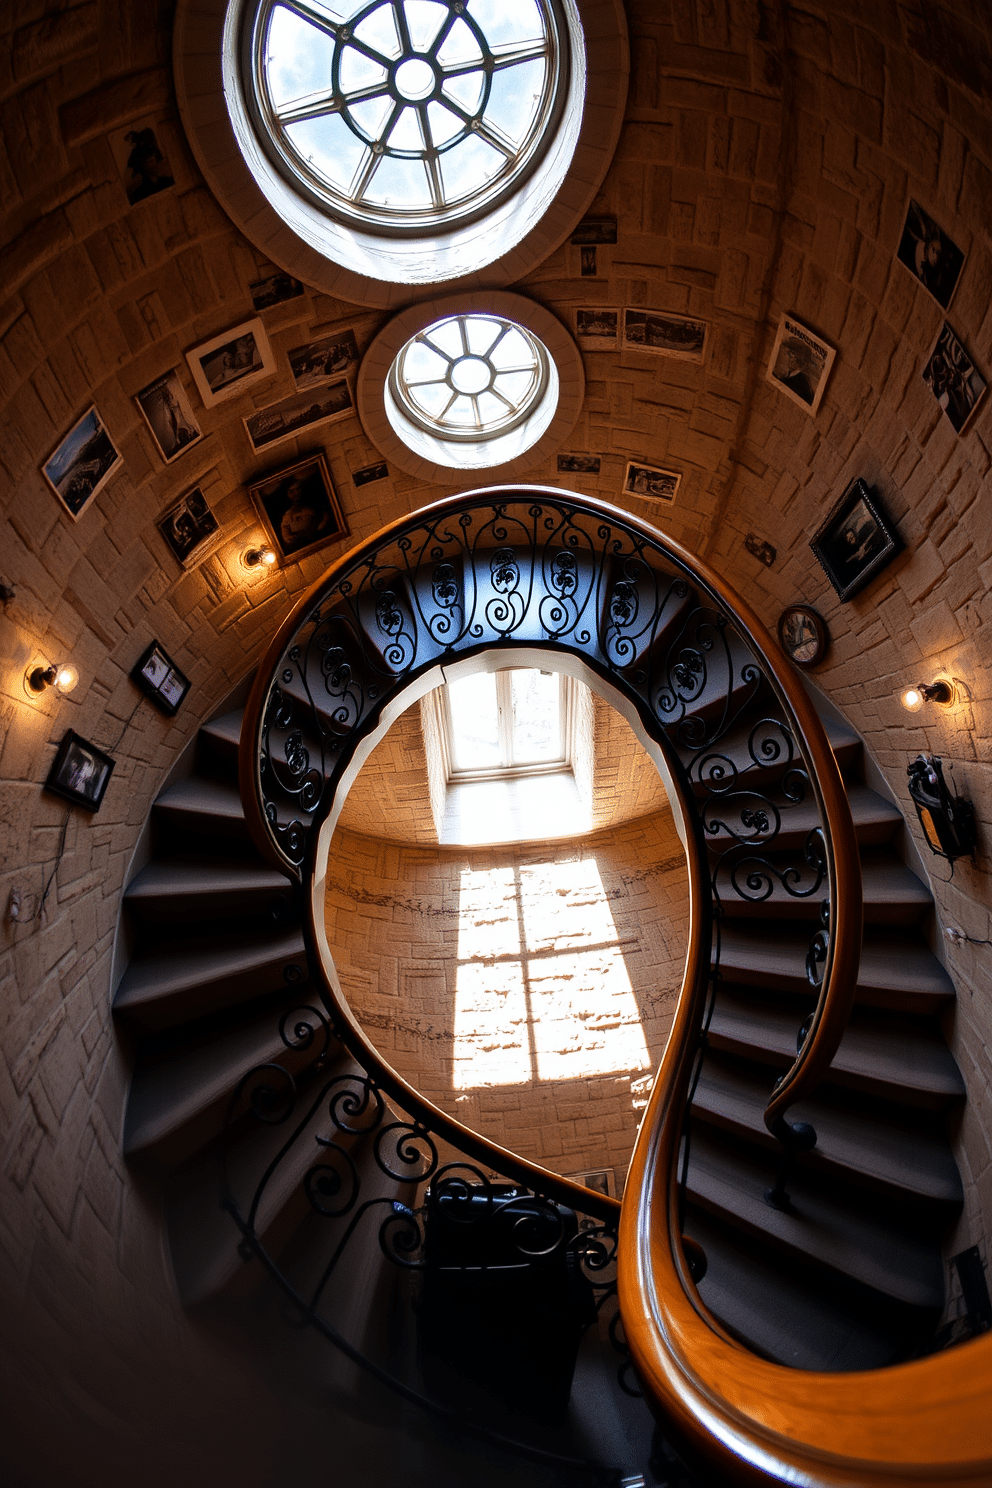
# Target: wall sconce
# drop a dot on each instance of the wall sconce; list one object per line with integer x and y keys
{"x": 940, "y": 691}
{"x": 61, "y": 675}
{"x": 257, "y": 558}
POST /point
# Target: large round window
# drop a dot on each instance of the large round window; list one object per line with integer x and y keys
{"x": 408, "y": 114}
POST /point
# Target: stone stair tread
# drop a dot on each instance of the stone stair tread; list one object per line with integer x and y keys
{"x": 159, "y": 975}
{"x": 876, "y": 820}
{"x": 184, "y": 878}
{"x": 815, "y": 1226}
{"x": 844, "y": 742}
{"x": 200, "y": 798}
{"x": 226, "y": 728}
{"x": 869, "y": 1148}
{"x": 892, "y": 893}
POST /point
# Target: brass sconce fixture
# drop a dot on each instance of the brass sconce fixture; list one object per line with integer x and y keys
{"x": 941, "y": 691}
{"x": 61, "y": 675}
{"x": 253, "y": 558}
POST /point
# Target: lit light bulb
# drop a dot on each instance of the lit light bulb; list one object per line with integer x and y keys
{"x": 257, "y": 557}
{"x": 66, "y": 677}
{"x": 61, "y": 675}
{"x": 912, "y": 699}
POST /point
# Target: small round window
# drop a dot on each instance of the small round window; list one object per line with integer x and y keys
{"x": 406, "y": 115}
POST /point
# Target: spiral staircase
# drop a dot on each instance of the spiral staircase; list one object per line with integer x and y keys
{"x": 823, "y": 1258}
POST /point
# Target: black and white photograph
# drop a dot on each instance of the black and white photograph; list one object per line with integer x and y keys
{"x": 169, "y": 415}
{"x": 301, "y": 411}
{"x": 319, "y": 361}
{"x": 232, "y": 362}
{"x": 760, "y": 549}
{"x": 650, "y": 481}
{"x": 190, "y": 529}
{"x": 299, "y": 507}
{"x": 274, "y": 290}
{"x": 593, "y": 230}
{"x": 596, "y": 329}
{"x": 930, "y": 255}
{"x": 953, "y": 378}
{"x": 663, "y": 334}
{"x": 142, "y": 160}
{"x": 369, "y": 473}
{"x": 82, "y": 464}
{"x": 160, "y": 679}
{"x": 587, "y": 262}
{"x": 80, "y": 772}
{"x": 579, "y": 464}
{"x": 800, "y": 364}
{"x": 856, "y": 541}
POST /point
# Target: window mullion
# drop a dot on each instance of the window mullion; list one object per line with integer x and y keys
{"x": 504, "y": 707}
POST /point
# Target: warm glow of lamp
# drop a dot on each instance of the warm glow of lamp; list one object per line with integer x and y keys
{"x": 912, "y": 700}
{"x": 257, "y": 558}
{"x": 61, "y": 675}
{"x": 940, "y": 691}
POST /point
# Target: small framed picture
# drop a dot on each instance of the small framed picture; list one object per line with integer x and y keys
{"x": 232, "y": 362}
{"x": 320, "y": 361}
{"x": 274, "y": 290}
{"x": 803, "y": 634}
{"x": 142, "y": 159}
{"x": 856, "y": 541}
{"x": 82, "y": 464}
{"x": 80, "y": 772}
{"x": 953, "y": 378}
{"x": 594, "y": 230}
{"x": 597, "y": 329}
{"x": 299, "y": 507}
{"x": 650, "y": 481}
{"x": 578, "y": 464}
{"x": 190, "y": 529}
{"x": 158, "y": 676}
{"x": 799, "y": 364}
{"x": 369, "y": 473}
{"x": 169, "y": 415}
{"x": 929, "y": 255}
{"x": 664, "y": 335}
{"x": 284, "y": 420}
{"x": 588, "y": 268}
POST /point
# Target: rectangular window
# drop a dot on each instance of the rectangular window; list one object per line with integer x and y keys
{"x": 506, "y": 724}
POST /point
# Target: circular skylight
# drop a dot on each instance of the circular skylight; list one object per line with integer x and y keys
{"x": 470, "y": 377}
{"x": 410, "y": 115}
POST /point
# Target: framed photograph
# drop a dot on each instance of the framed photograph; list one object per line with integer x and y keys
{"x": 301, "y": 411}
{"x": 929, "y": 255}
{"x": 299, "y": 507}
{"x": 664, "y": 335}
{"x": 594, "y": 230}
{"x": 953, "y": 378}
{"x": 803, "y": 635}
{"x": 320, "y": 361}
{"x": 369, "y": 473}
{"x": 169, "y": 415}
{"x": 597, "y": 330}
{"x": 758, "y": 548}
{"x": 273, "y": 291}
{"x": 650, "y": 481}
{"x": 82, "y": 464}
{"x": 230, "y": 363}
{"x": 578, "y": 464}
{"x": 190, "y": 529}
{"x": 160, "y": 679}
{"x": 142, "y": 160}
{"x": 587, "y": 262}
{"x": 856, "y": 541}
{"x": 799, "y": 364}
{"x": 80, "y": 772}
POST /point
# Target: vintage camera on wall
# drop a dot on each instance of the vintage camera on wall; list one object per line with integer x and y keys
{"x": 948, "y": 821}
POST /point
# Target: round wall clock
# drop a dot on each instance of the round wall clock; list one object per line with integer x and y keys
{"x": 803, "y": 634}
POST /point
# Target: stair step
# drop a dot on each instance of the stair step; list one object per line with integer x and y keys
{"x": 893, "y": 895}
{"x": 164, "y": 987}
{"x": 895, "y": 973}
{"x": 867, "y": 1149}
{"x": 209, "y": 808}
{"x": 191, "y": 889}
{"x": 730, "y": 1183}
{"x": 734, "y": 750}
{"x": 889, "y": 1055}
{"x": 876, "y": 820}
{"x": 221, "y": 737}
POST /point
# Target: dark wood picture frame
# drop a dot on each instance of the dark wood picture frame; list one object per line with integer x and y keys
{"x": 856, "y": 541}
{"x": 160, "y": 679}
{"x": 80, "y": 772}
{"x": 284, "y": 499}
{"x": 803, "y": 635}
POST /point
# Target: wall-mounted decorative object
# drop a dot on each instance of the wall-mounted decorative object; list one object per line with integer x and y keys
{"x": 597, "y": 329}
{"x": 588, "y": 263}
{"x": 369, "y": 473}
{"x": 800, "y": 364}
{"x": 299, "y": 507}
{"x": 259, "y": 559}
{"x": 319, "y": 361}
{"x": 160, "y": 679}
{"x": 856, "y": 540}
{"x": 190, "y": 529}
{"x": 141, "y": 160}
{"x": 941, "y": 691}
{"x": 573, "y": 463}
{"x": 650, "y": 482}
{"x": 803, "y": 634}
{"x": 61, "y": 675}
{"x": 274, "y": 290}
{"x": 82, "y": 464}
{"x": 80, "y": 772}
{"x": 948, "y": 821}
{"x": 301, "y": 411}
{"x": 229, "y": 364}
{"x": 953, "y": 378}
{"x": 758, "y": 548}
{"x": 169, "y": 415}
{"x": 593, "y": 230}
{"x": 664, "y": 335}
{"x": 929, "y": 254}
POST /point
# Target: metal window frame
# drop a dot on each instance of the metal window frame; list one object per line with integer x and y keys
{"x": 508, "y": 769}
